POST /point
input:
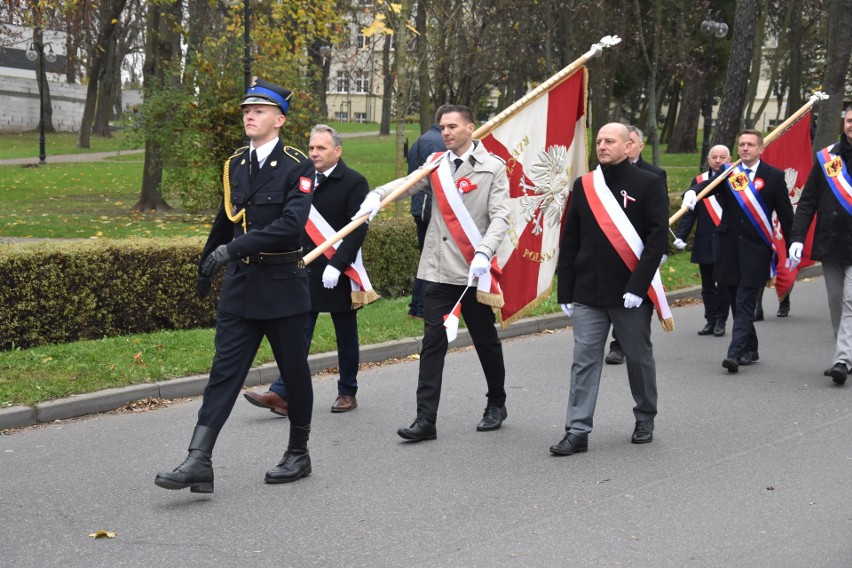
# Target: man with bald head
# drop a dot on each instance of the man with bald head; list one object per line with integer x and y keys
{"x": 708, "y": 215}
{"x": 614, "y": 236}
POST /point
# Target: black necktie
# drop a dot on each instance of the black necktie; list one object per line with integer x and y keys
{"x": 255, "y": 165}
{"x": 458, "y": 162}
{"x": 320, "y": 179}
{"x": 747, "y": 171}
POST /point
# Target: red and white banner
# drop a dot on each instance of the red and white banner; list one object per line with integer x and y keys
{"x": 544, "y": 147}
{"x": 791, "y": 153}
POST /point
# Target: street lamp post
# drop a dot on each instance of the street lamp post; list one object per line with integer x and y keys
{"x": 36, "y": 53}
{"x": 714, "y": 29}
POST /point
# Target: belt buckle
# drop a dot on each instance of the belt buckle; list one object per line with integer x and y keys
{"x": 300, "y": 263}
{"x": 246, "y": 260}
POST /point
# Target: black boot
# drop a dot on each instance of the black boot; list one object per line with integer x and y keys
{"x": 196, "y": 472}
{"x": 296, "y": 462}
{"x": 758, "y": 306}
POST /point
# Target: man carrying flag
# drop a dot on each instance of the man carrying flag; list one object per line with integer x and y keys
{"x": 614, "y": 236}
{"x": 828, "y": 193}
{"x": 751, "y": 192}
{"x": 470, "y": 218}
{"x": 708, "y": 215}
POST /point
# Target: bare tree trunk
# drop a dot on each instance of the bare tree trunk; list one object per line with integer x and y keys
{"x": 106, "y": 87}
{"x": 387, "y": 88}
{"x": 756, "y": 61}
{"x": 162, "y": 48}
{"x": 794, "y": 71}
{"x": 651, "y": 60}
{"x": 838, "y": 49}
{"x": 685, "y": 133}
{"x": 739, "y": 62}
{"x": 110, "y": 12}
{"x": 402, "y": 94}
{"x": 319, "y": 54}
{"x": 424, "y": 82}
{"x": 671, "y": 115}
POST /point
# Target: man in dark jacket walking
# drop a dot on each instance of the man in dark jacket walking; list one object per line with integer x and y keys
{"x": 828, "y": 193}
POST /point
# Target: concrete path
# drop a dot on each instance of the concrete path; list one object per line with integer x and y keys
{"x": 749, "y": 469}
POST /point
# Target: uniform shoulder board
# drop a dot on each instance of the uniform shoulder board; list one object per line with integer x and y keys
{"x": 239, "y": 151}
{"x": 502, "y": 161}
{"x": 295, "y": 153}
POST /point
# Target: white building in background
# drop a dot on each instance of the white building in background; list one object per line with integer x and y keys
{"x": 356, "y": 80}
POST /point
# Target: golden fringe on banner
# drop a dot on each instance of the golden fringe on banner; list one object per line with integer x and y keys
{"x": 493, "y": 300}
{"x": 363, "y": 297}
{"x": 668, "y": 324}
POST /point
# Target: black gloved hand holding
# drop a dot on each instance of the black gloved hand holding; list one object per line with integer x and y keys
{"x": 214, "y": 261}
{"x": 202, "y": 286}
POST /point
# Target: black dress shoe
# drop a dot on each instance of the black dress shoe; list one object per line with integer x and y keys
{"x": 731, "y": 364}
{"x": 838, "y": 373}
{"x": 746, "y": 359}
{"x": 615, "y": 356}
{"x": 420, "y": 429}
{"x": 707, "y": 329}
{"x": 570, "y": 444}
{"x": 719, "y": 329}
{"x": 492, "y": 418}
{"x": 643, "y": 432}
{"x": 784, "y": 308}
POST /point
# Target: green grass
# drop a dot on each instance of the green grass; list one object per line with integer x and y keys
{"x": 25, "y": 144}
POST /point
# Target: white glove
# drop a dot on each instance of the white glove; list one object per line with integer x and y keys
{"x": 679, "y": 244}
{"x": 663, "y": 259}
{"x": 330, "y": 276}
{"x": 479, "y": 265}
{"x": 689, "y": 200}
{"x": 794, "y": 255}
{"x": 632, "y": 300}
{"x": 568, "y": 309}
{"x": 371, "y": 205}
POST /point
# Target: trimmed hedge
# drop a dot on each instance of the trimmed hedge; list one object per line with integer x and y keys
{"x": 63, "y": 291}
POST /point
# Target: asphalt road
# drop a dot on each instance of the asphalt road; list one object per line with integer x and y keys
{"x": 749, "y": 469}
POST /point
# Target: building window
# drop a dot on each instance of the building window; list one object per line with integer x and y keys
{"x": 361, "y": 117}
{"x": 363, "y": 41}
{"x": 342, "y": 82}
{"x": 341, "y": 116}
{"x": 362, "y": 84}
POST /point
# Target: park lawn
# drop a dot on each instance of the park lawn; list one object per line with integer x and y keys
{"x": 25, "y": 144}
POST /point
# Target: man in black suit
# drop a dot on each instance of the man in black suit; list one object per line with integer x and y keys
{"x": 339, "y": 192}
{"x": 615, "y": 212}
{"x": 748, "y": 196}
{"x": 705, "y": 219}
{"x": 634, "y": 156}
{"x": 257, "y": 236}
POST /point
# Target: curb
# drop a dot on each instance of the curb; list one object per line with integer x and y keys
{"x": 111, "y": 399}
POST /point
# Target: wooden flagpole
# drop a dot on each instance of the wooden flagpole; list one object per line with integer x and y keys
{"x": 481, "y": 132}
{"x": 767, "y": 140}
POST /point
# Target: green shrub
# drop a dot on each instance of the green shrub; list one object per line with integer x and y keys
{"x": 391, "y": 255}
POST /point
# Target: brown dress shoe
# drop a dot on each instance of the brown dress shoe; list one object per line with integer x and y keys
{"x": 344, "y": 403}
{"x": 268, "y": 400}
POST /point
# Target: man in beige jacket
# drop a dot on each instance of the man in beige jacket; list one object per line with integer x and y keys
{"x": 470, "y": 218}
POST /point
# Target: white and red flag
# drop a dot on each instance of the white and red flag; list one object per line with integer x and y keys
{"x": 544, "y": 147}
{"x": 791, "y": 153}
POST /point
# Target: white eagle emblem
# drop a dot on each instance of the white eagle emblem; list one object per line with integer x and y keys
{"x": 544, "y": 200}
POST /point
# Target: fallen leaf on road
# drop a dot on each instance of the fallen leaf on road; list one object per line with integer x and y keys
{"x": 103, "y": 534}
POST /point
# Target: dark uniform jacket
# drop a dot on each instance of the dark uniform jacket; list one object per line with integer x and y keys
{"x": 590, "y": 270}
{"x": 337, "y": 199}
{"x": 833, "y": 234}
{"x": 743, "y": 257}
{"x": 277, "y": 204}
{"x": 705, "y": 243}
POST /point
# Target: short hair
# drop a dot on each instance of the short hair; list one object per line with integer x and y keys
{"x": 438, "y": 112}
{"x": 845, "y": 110}
{"x": 335, "y": 135}
{"x": 751, "y": 131}
{"x": 637, "y": 131}
{"x": 466, "y": 113}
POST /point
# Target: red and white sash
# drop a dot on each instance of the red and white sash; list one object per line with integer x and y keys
{"x": 837, "y": 175}
{"x": 463, "y": 229}
{"x": 623, "y": 237}
{"x": 714, "y": 208}
{"x": 320, "y": 231}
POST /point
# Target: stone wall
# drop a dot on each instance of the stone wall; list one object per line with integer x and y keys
{"x": 19, "y": 104}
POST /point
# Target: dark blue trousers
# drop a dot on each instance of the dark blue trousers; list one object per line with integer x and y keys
{"x": 743, "y": 335}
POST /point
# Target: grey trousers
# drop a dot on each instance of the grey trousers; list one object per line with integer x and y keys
{"x": 591, "y": 326}
{"x": 838, "y": 284}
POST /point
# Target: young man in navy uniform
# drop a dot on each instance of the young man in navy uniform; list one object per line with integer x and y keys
{"x": 256, "y": 237}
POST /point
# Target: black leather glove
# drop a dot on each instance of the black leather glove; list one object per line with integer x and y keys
{"x": 214, "y": 261}
{"x": 202, "y": 286}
